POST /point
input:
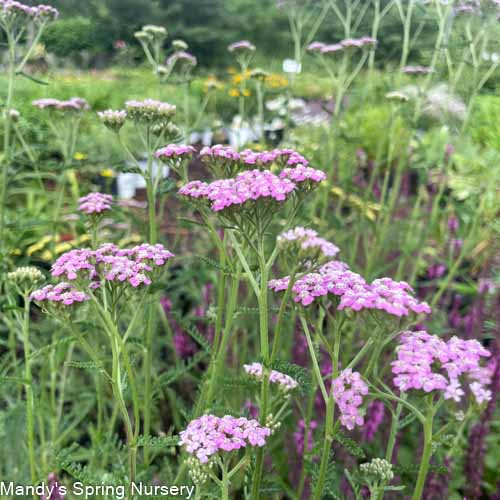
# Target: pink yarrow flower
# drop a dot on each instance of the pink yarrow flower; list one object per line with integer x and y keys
{"x": 175, "y": 152}
{"x": 426, "y": 362}
{"x": 241, "y": 46}
{"x": 208, "y": 435}
{"x": 348, "y": 390}
{"x": 95, "y": 203}
{"x": 62, "y": 293}
{"x": 285, "y": 382}
{"x": 308, "y": 241}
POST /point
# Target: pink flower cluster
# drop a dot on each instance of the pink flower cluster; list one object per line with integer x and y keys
{"x": 249, "y": 157}
{"x": 308, "y": 240}
{"x": 348, "y": 390}
{"x": 300, "y": 438}
{"x": 12, "y": 8}
{"x": 181, "y": 56}
{"x": 110, "y": 263}
{"x": 359, "y": 43}
{"x": 301, "y": 173}
{"x": 241, "y": 46}
{"x": 386, "y": 295}
{"x": 63, "y": 293}
{"x": 355, "y": 293}
{"x": 250, "y": 185}
{"x": 333, "y": 277}
{"x": 95, "y": 203}
{"x": 209, "y": 435}
{"x": 72, "y": 104}
{"x": 417, "y": 70}
{"x": 175, "y": 152}
{"x": 286, "y": 382}
{"x": 426, "y": 362}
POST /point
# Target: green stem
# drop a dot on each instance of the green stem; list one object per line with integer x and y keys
{"x": 30, "y": 427}
{"x": 426, "y": 454}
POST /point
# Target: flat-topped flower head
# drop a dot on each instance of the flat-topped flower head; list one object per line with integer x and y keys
{"x": 63, "y": 293}
{"x": 315, "y": 46}
{"x": 208, "y": 435}
{"x": 285, "y": 382}
{"x": 334, "y": 278}
{"x": 95, "y": 203}
{"x": 348, "y": 390}
{"x": 134, "y": 266}
{"x": 150, "y": 111}
{"x": 241, "y": 46}
{"x": 113, "y": 119}
{"x": 72, "y": 104}
{"x": 45, "y": 13}
{"x": 174, "y": 152}
{"x": 417, "y": 70}
{"x": 13, "y": 12}
{"x": 155, "y": 31}
{"x": 305, "y": 177}
{"x": 331, "y": 48}
{"x": 179, "y": 45}
{"x": 305, "y": 243}
{"x": 181, "y": 59}
{"x": 244, "y": 191}
{"x": 384, "y": 294}
{"x": 428, "y": 363}
{"x": 223, "y": 160}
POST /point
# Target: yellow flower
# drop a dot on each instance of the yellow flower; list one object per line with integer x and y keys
{"x": 276, "y": 81}
{"x": 108, "y": 172}
{"x": 247, "y": 93}
{"x": 237, "y": 79}
{"x": 80, "y": 156}
{"x": 39, "y": 245}
{"x": 234, "y": 92}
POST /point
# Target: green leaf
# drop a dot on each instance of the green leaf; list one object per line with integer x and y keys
{"x": 157, "y": 441}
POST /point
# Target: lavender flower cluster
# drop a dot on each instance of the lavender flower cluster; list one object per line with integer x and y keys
{"x": 12, "y": 10}
{"x": 208, "y": 435}
{"x": 308, "y": 241}
{"x": 426, "y": 362}
{"x": 175, "y": 152}
{"x": 285, "y": 382}
{"x": 95, "y": 203}
{"x": 72, "y": 104}
{"x": 417, "y": 70}
{"x": 109, "y": 263}
{"x": 348, "y": 389}
{"x": 348, "y": 43}
{"x": 241, "y": 46}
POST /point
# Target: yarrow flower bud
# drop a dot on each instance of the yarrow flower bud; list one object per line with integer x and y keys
{"x": 14, "y": 115}
{"x": 95, "y": 203}
{"x": 348, "y": 389}
{"x": 114, "y": 120}
{"x": 285, "y": 382}
{"x": 150, "y": 111}
{"x": 155, "y": 31}
{"x": 184, "y": 60}
{"x": 143, "y": 36}
{"x": 179, "y": 45}
{"x": 302, "y": 242}
{"x": 25, "y": 278}
{"x": 379, "y": 468}
{"x": 208, "y": 435}
{"x": 426, "y": 362}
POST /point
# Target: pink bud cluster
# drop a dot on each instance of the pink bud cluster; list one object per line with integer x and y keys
{"x": 248, "y": 186}
{"x": 417, "y": 70}
{"x": 149, "y": 110}
{"x": 241, "y": 46}
{"x": 426, "y": 362}
{"x": 110, "y": 263}
{"x": 95, "y": 203}
{"x": 63, "y": 293}
{"x": 209, "y": 435}
{"x": 308, "y": 240}
{"x": 72, "y": 104}
{"x": 11, "y": 9}
{"x": 348, "y": 390}
{"x": 285, "y": 382}
{"x": 175, "y": 152}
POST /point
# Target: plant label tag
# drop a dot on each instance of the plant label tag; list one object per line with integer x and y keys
{"x": 291, "y": 66}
